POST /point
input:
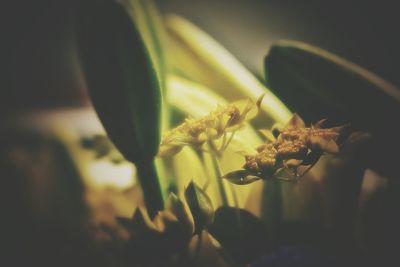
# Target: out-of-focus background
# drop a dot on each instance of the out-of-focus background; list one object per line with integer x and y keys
{"x": 42, "y": 68}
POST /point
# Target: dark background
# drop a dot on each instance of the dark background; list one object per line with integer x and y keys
{"x": 42, "y": 70}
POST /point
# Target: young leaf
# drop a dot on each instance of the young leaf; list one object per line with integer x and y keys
{"x": 200, "y": 205}
{"x": 318, "y": 84}
{"x": 242, "y": 234}
{"x": 177, "y": 207}
{"x": 241, "y": 177}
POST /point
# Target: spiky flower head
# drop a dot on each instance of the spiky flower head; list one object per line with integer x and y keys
{"x": 287, "y": 150}
{"x": 196, "y": 132}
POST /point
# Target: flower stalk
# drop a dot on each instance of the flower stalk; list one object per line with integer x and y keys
{"x": 218, "y": 173}
{"x": 149, "y": 181}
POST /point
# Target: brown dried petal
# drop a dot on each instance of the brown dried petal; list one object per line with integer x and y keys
{"x": 296, "y": 122}
{"x": 320, "y": 123}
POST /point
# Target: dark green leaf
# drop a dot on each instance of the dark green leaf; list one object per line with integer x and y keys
{"x": 140, "y": 221}
{"x": 121, "y": 79}
{"x": 150, "y": 25}
{"x": 200, "y": 205}
{"x": 175, "y": 206}
{"x": 316, "y": 83}
{"x": 242, "y": 234}
{"x": 241, "y": 177}
{"x": 124, "y": 88}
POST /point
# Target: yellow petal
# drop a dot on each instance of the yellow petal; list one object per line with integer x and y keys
{"x": 296, "y": 121}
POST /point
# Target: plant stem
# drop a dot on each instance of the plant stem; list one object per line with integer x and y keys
{"x": 234, "y": 196}
{"x": 148, "y": 178}
{"x": 218, "y": 173}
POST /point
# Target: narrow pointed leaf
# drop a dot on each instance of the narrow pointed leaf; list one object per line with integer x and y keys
{"x": 200, "y": 205}
{"x": 140, "y": 222}
{"x": 242, "y": 234}
{"x": 177, "y": 207}
{"x": 240, "y": 177}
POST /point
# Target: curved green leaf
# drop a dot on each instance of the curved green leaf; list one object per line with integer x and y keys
{"x": 149, "y": 22}
{"x": 318, "y": 84}
{"x": 200, "y": 206}
{"x": 124, "y": 88}
{"x": 121, "y": 79}
{"x": 242, "y": 234}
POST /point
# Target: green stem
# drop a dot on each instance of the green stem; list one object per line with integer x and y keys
{"x": 218, "y": 173}
{"x": 148, "y": 177}
{"x": 272, "y": 204}
{"x": 234, "y": 196}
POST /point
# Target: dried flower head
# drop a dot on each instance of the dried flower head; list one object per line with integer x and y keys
{"x": 196, "y": 132}
{"x": 287, "y": 150}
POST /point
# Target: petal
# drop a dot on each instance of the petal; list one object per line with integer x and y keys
{"x": 296, "y": 122}
{"x": 212, "y": 133}
{"x": 320, "y": 123}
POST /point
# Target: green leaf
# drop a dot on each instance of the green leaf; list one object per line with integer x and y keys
{"x": 121, "y": 79}
{"x": 124, "y": 88}
{"x": 177, "y": 207}
{"x": 241, "y": 177}
{"x": 200, "y": 205}
{"x": 149, "y": 22}
{"x": 318, "y": 84}
{"x": 242, "y": 234}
